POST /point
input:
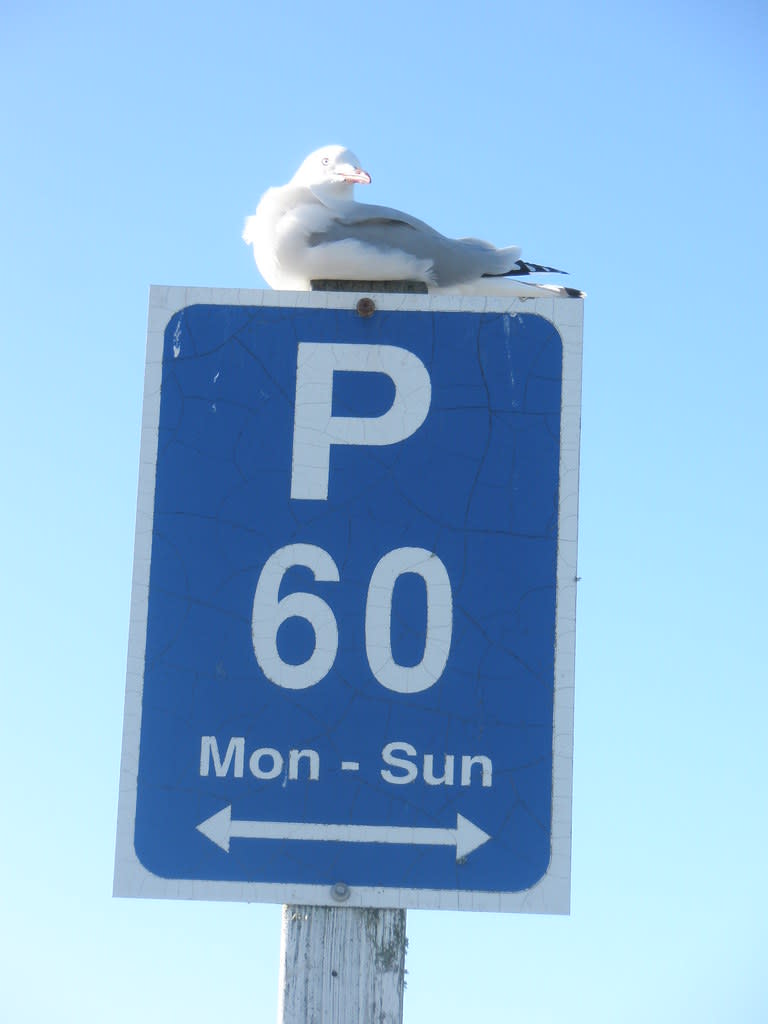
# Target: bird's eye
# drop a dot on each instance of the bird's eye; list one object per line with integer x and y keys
{"x": 325, "y": 161}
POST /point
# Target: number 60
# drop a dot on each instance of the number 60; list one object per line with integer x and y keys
{"x": 270, "y": 612}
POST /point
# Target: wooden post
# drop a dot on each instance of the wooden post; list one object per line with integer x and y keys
{"x": 396, "y": 287}
{"x": 341, "y": 965}
{"x": 344, "y": 965}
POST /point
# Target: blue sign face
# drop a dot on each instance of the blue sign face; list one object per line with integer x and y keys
{"x": 349, "y": 673}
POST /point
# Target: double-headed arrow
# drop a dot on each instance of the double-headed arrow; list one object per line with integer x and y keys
{"x": 221, "y": 827}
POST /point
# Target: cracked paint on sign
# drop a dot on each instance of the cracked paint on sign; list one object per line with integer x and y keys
{"x": 352, "y": 612}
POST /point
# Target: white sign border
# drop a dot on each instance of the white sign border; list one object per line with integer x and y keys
{"x": 551, "y": 894}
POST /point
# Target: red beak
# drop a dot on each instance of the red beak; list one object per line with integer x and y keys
{"x": 358, "y": 177}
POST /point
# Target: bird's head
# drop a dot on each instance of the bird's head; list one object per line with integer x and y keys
{"x": 332, "y": 167}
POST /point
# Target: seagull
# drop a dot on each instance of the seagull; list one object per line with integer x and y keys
{"x": 313, "y": 229}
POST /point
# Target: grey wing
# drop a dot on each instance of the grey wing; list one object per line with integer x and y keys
{"x": 386, "y": 230}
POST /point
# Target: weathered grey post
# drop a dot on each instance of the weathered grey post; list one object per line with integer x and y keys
{"x": 341, "y": 965}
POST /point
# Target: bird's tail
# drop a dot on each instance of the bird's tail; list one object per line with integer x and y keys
{"x": 498, "y": 286}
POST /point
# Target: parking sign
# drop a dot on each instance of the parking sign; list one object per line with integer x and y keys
{"x": 351, "y": 655}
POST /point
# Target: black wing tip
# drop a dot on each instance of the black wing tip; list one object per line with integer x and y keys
{"x": 537, "y": 268}
{"x": 522, "y": 268}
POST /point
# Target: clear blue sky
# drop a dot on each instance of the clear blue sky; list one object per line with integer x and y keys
{"x": 625, "y": 142}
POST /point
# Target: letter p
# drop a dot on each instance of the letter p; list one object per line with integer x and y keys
{"x": 315, "y": 428}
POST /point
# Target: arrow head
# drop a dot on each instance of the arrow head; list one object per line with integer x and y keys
{"x": 468, "y": 837}
{"x": 217, "y": 828}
